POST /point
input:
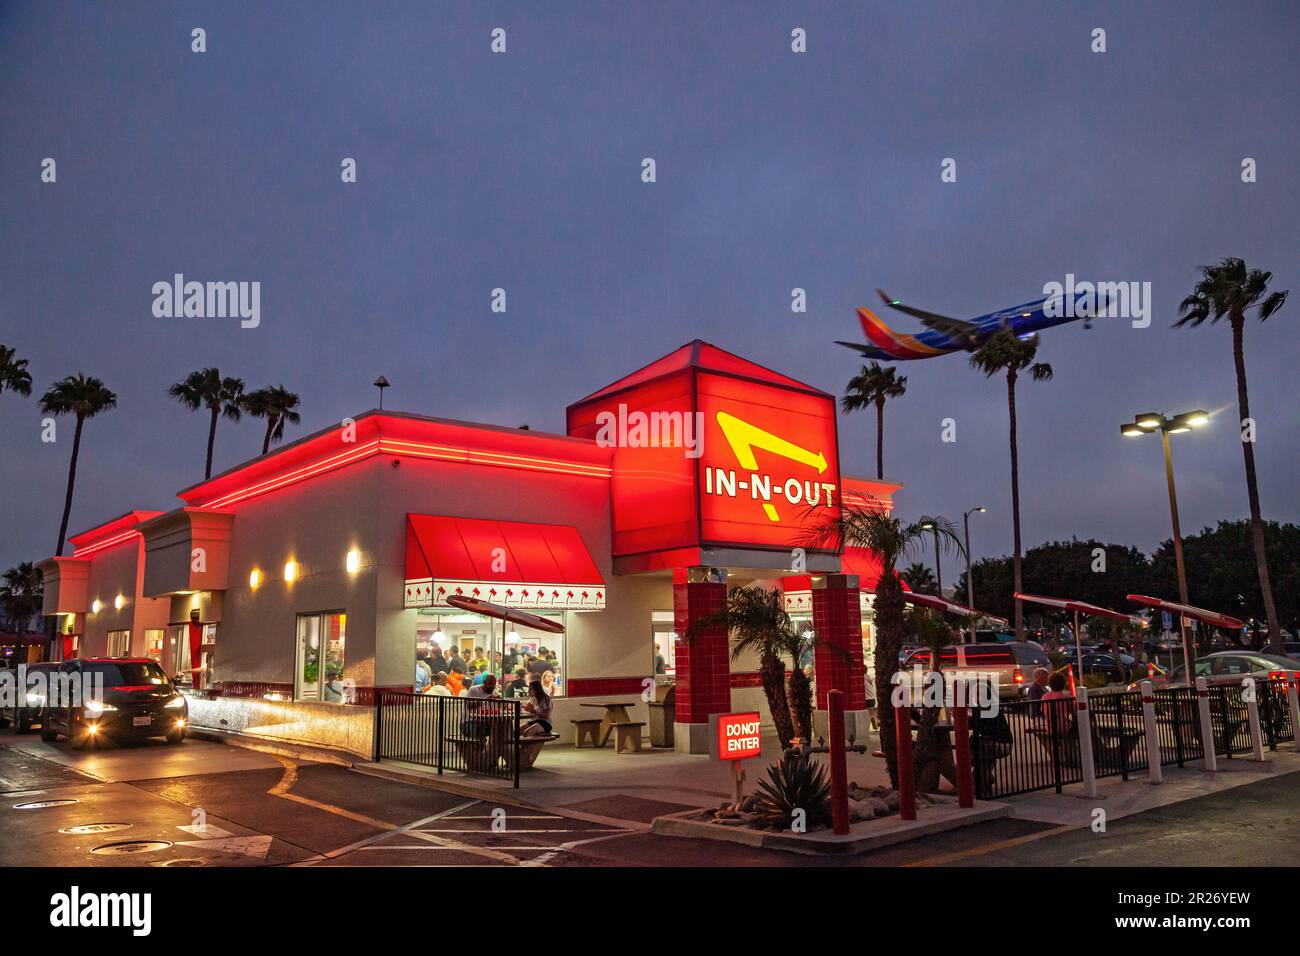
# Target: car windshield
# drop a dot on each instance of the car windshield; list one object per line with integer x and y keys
{"x": 129, "y": 673}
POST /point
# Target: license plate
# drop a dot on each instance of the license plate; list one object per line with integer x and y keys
{"x": 142, "y": 721}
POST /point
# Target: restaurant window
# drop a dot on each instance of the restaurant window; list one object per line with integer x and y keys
{"x": 322, "y": 637}
{"x": 119, "y": 643}
{"x": 663, "y": 639}
{"x": 154, "y": 638}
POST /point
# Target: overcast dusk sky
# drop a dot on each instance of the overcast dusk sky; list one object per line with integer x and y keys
{"x": 775, "y": 170}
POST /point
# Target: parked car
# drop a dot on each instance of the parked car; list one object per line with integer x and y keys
{"x": 1013, "y": 664}
{"x": 1228, "y": 664}
{"x": 1116, "y": 668}
{"x": 138, "y": 700}
{"x": 30, "y": 705}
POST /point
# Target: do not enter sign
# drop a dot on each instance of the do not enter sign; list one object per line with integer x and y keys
{"x": 739, "y": 736}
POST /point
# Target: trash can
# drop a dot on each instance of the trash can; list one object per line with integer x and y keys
{"x": 662, "y": 715}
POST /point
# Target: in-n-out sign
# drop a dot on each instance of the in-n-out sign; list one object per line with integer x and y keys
{"x": 739, "y": 736}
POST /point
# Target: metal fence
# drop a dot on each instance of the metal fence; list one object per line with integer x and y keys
{"x": 1030, "y": 746}
{"x": 465, "y": 734}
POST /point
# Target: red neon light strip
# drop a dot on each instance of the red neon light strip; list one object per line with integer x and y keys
{"x": 106, "y": 543}
{"x": 413, "y": 450}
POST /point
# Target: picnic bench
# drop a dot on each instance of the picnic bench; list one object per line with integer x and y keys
{"x": 616, "y": 714}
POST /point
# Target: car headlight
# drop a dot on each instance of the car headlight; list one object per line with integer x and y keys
{"x": 175, "y": 702}
{"x": 97, "y": 707}
{"x": 34, "y": 699}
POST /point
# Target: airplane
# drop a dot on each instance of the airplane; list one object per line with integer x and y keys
{"x": 946, "y": 335}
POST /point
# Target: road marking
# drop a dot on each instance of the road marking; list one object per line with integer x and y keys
{"x": 290, "y": 777}
{"x": 945, "y": 858}
{"x": 360, "y": 844}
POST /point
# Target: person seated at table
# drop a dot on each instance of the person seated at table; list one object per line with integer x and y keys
{"x": 480, "y": 676}
{"x": 539, "y": 707}
{"x": 438, "y": 686}
{"x": 472, "y": 725}
{"x": 455, "y": 683}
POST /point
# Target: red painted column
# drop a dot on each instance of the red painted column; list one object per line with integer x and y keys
{"x": 837, "y": 654}
{"x": 703, "y": 665}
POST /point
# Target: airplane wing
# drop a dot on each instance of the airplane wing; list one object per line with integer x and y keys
{"x": 940, "y": 323}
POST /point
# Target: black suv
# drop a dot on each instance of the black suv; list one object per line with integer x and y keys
{"x": 137, "y": 700}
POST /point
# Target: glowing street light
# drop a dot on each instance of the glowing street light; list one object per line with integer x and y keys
{"x": 970, "y": 584}
{"x": 1148, "y": 423}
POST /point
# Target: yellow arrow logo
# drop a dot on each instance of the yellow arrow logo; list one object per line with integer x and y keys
{"x": 744, "y": 438}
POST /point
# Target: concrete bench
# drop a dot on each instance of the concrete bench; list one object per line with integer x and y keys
{"x": 627, "y": 736}
{"x": 587, "y": 729}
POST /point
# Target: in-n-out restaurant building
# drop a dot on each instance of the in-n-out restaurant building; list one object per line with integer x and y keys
{"x": 296, "y": 584}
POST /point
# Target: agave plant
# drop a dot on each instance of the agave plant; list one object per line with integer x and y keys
{"x": 794, "y": 783}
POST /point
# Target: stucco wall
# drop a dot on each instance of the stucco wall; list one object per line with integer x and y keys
{"x": 114, "y": 571}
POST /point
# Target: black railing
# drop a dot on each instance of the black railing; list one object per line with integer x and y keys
{"x": 1030, "y": 746}
{"x": 467, "y": 734}
{"x": 1026, "y": 746}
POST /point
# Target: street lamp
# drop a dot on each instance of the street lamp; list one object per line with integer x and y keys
{"x": 938, "y": 572}
{"x": 970, "y": 584}
{"x": 1145, "y": 424}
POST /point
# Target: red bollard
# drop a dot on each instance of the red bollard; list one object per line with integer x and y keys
{"x": 965, "y": 772}
{"x": 839, "y": 766}
{"x": 906, "y": 775}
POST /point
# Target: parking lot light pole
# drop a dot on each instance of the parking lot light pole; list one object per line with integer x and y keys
{"x": 938, "y": 572}
{"x": 1145, "y": 424}
{"x": 970, "y": 583}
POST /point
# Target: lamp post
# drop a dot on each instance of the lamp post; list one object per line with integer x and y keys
{"x": 1145, "y": 424}
{"x": 970, "y": 583}
{"x": 938, "y": 571}
{"x": 381, "y": 383}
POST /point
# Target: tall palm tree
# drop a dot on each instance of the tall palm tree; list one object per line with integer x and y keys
{"x": 874, "y": 385}
{"x": 85, "y": 398}
{"x": 14, "y": 376}
{"x": 920, "y": 578}
{"x": 278, "y": 406}
{"x": 757, "y": 620}
{"x": 1006, "y": 352}
{"x": 891, "y": 540}
{"x": 1230, "y": 289}
{"x": 21, "y": 593}
{"x": 220, "y": 396}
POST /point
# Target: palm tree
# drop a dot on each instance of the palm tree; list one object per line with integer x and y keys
{"x": 85, "y": 398}
{"x": 873, "y": 386}
{"x": 14, "y": 376}
{"x": 919, "y": 578}
{"x": 1004, "y": 351}
{"x": 757, "y": 620}
{"x": 891, "y": 540}
{"x": 21, "y": 594}
{"x": 1231, "y": 289}
{"x": 220, "y": 396}
{"x": 277, "y": 405}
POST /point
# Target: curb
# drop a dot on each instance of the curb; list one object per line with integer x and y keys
{"x": 893, "y": 832}
{"x": 233, "y": 738}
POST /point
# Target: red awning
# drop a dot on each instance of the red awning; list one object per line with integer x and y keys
{"x": 1213, "y": 618}
{"x": 1082, "y": 607}
{"x": 948, "y": 607}
{"x": 512, "y": 563}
